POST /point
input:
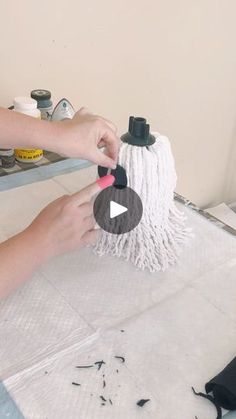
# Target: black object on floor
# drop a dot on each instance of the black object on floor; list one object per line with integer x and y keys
{"x": 142, "y": 402}
{"x": 99, "y": 364}
{"x": 121, "y": 358}
{"x": 84, "y": 366}
{"x": 211, "y": 399}
{"x": 223, "y": 387}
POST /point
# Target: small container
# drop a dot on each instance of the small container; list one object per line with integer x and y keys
{"x": 27, "y": 106}
{"x": 7, "y": 158}
{"x": 44, "y": 102}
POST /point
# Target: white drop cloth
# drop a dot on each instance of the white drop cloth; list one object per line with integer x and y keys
{"x": 179, "y": 326}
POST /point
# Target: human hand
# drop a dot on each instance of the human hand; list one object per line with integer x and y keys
{"x": 67, "y": 223}
{"x": 85, "y": 135}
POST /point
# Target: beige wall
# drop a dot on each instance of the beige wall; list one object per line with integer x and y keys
{"x": 173, "y": 61}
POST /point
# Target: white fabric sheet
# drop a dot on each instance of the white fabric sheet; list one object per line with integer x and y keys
{"x": 179, "y": 326}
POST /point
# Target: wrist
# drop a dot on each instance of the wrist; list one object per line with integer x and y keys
{"x": 38, "y": 252}
{"x": 47, "y": 136}
{"x": 63, "y": 134}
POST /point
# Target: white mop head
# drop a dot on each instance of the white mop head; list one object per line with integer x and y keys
{"x": 156, "y": 241}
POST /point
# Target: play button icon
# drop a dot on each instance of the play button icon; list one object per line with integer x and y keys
{"x": 118, "y": 211}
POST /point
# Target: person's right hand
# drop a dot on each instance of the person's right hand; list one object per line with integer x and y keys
{"x": 68, "y": 222}
{"x": 84, "y": 135}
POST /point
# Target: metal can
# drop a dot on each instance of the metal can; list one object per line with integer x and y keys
{"x": 44, "y": 102}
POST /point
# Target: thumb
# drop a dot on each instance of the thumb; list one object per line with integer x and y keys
{"x": 84, "y": 111}
{"x": 103, "y": 160}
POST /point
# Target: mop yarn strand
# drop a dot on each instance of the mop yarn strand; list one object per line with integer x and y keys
{"x": 155, "y": 243}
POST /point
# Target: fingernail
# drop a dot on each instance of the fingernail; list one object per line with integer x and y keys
{"x": 106, "y": 181}
{"x": 114, "y": 166}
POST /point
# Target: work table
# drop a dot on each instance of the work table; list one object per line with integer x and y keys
{"x": 175, "y": 329}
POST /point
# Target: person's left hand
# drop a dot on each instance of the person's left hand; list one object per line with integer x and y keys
{"x": 85, "y": 135}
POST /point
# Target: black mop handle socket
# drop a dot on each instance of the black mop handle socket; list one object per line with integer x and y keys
{"x": 139, "y": 133}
